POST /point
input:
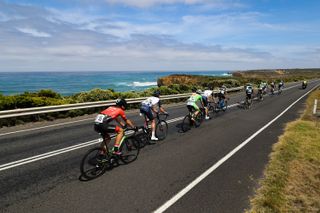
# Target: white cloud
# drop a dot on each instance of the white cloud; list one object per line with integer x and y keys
{"x": 34, "y": 32}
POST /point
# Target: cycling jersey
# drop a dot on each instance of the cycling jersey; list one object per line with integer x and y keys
{"x": 249, "y": 90}
{"x": 152, "y": 101}
{"x": 102, "y": 121}
{"x": 192, "y": 101}
{"x": 207, "y": 93}
{"x": 114, "y": 112}
{"x": 146, "y": 106}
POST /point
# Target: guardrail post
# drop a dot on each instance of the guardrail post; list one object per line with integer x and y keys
{"x": 315, "y": 106}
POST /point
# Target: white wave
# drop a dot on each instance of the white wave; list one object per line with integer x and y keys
{"x": 144, "y": 84}
{"x": 226, "y": 74}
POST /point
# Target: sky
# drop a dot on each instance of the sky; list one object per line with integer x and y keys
{"x": 158, "y": 35}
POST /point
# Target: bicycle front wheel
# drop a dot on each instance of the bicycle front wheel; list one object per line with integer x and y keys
{"x": 93, "y": 164}
{"x": 161, "y": 129}
{"x": 186, "y": 123}
{"x": 129, "y": 150}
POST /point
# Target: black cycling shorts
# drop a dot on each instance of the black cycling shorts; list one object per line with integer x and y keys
{"x": 146, "y": 110}
{"x": 105, "y": 127}
{"x": 191, "y": 108}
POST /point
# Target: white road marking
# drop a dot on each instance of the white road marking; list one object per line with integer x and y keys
{"x": 185, "y": 190}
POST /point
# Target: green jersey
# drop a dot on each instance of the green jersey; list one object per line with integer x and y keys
{"x": 193, "y": 99}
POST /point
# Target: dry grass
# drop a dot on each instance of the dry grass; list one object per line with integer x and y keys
{"x": 291, "y": 180}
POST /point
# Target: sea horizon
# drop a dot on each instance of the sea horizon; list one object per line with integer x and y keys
{"x": 72, "y": 82}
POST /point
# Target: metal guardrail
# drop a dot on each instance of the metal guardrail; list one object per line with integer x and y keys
{"x": 67, "y": 107}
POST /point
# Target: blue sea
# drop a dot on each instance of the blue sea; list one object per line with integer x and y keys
{"x": 68, "y": 83}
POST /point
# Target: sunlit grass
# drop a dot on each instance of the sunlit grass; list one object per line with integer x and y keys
{"x": 291, "y": 180}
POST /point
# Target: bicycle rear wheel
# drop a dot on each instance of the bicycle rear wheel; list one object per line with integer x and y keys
{"x": 198, "y": 119}
{"x": 93, "y": 164}
{"x": 129, "y": 150}
{"x": 186, "y": 123}
{"x": 161, "y": 129}
{"x": 211, "y": 111}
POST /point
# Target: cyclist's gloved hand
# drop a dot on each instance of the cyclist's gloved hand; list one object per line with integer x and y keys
{"x": 125, "y": 126}
{"x": 136, "y": 129}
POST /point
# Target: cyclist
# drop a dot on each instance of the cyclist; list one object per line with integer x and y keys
{"x": 304, "y": 84}
{"x": 272, "y": 85}
{"x": 261, "y": 89}
{"x": 192, "y": 101}
{"x": 264, "y": 87}
{"x": 148, "y": 107}
{"x": 280, "y": 85}
{"x": 103, "y": 124}
{"x": 249, "y": 91}
{"x": 222, "y": 95}
{"x": 207, "y": 96}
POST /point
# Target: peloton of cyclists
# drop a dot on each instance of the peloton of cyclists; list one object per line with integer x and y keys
{"x": 103, "y": 124}
{"x": 150, "y": 106}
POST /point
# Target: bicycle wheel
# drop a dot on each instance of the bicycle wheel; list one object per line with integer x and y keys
{"x": 93, "y": 164}
{"x": 211, "y": 111}
{"x": 129, "y": 150}
{"x": 161, "y": 129}
{"x": 186, "y": 123}
{"x": 198, "y": 119}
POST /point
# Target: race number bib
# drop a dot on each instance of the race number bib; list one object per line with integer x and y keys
{"x": 99, "y": 118}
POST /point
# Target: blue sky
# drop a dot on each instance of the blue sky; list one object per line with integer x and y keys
{"x": 158, "y": 35}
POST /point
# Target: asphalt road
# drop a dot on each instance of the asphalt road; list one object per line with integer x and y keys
{"x": 52, "y": 184}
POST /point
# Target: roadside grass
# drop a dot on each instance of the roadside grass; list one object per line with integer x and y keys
{"x": 291, "y": 181}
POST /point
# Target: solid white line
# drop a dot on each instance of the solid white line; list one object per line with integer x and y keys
{"x": 180, "y": 194}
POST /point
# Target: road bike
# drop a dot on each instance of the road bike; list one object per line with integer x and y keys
{"x": 98, "y": 160}
{"x": 192, "y": 120}
{"x": 161, "y": 128}
{"x": 220, "y": 105}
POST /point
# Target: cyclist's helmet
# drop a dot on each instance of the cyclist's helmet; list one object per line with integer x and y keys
{"x": 199, "y": 91}
{"x": 156, "y": 93}
{"x": 121, "y": 103}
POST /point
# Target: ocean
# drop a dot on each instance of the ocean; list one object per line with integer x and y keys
{"x": 68, "y": 83}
